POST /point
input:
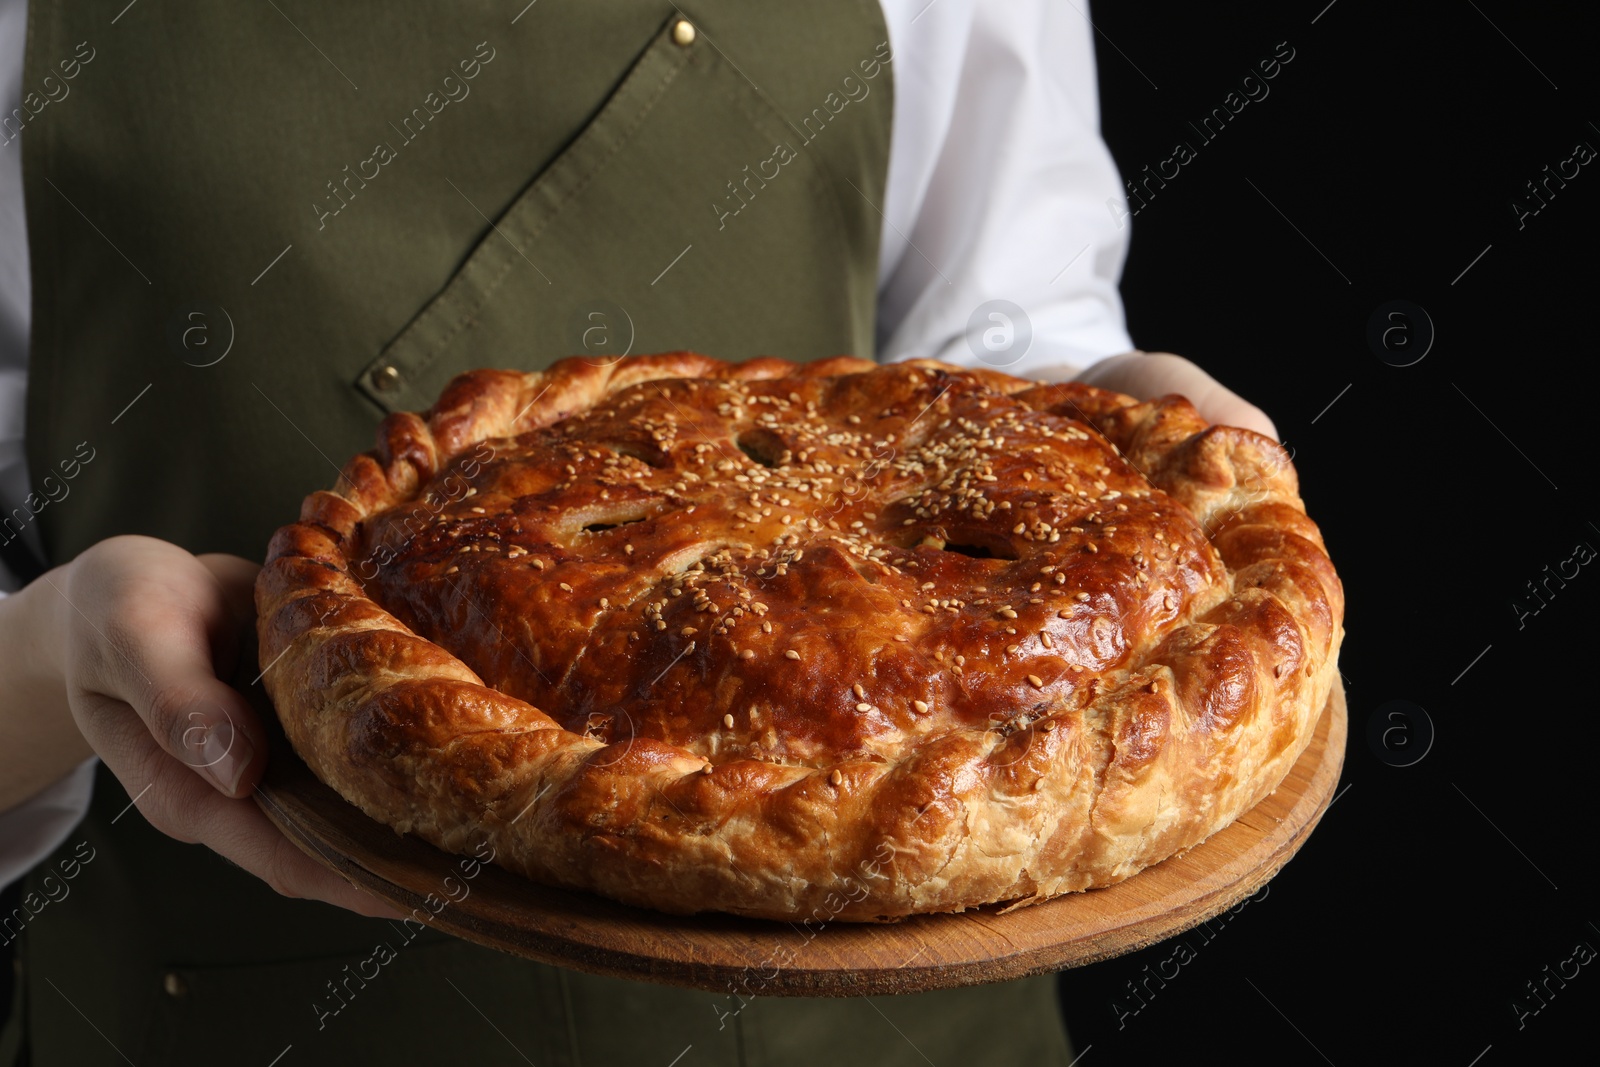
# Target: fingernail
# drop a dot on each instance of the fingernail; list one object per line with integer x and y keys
{"x": 226, "y": 755}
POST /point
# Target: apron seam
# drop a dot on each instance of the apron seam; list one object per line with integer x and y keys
{"x": 565, "y": 985}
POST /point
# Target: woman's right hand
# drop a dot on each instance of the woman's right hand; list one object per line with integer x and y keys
{"x": 141, "y": 634}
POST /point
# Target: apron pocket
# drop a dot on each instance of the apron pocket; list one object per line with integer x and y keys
{"x": 687, "y": 214}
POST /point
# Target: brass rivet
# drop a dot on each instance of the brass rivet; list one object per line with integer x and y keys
{"x": 174, "y": 984}
{"x": 683, "y": 33}
{"x": 385, "y": 377}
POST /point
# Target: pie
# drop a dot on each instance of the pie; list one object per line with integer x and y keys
{"x": 782, "y": 639}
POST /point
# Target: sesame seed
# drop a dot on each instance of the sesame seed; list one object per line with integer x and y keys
{"x": 1035, "y": 681}
{"x": 863, "y": 707}
{"x": 1046, "y": 639}
{"x": 1082, "y": 598}
{"x": 1012, "y": 648}
{"x": 727, "y": 720}
{"x": 921, "y": 706}
{"x": 1006, "y": 613}
{"x": 748, "y": 653}
{"x": 565, "y": 588}
{"x": 861, "y": 694}
{"x": 687, "y": 630}
{"x": 791, "y": 654}
{"x": 836, "y": 778}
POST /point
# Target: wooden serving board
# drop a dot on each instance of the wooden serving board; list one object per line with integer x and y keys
{"x": 752, "y": 957}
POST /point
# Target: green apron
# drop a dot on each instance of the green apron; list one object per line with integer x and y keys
{"x": 257, "y": 228}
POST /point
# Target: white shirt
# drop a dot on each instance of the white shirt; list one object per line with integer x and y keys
{"x": 997, "y": 191}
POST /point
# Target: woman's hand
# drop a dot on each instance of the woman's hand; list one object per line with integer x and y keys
{"x": 1146, "y": 375}
{"x": 141, "y": 634}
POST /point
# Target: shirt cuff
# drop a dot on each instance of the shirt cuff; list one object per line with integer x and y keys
{"x": 35, "y": 828}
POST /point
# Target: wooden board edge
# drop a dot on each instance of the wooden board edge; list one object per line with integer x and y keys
{"x": 795, "y": 981}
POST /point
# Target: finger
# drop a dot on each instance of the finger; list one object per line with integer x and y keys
{"x": 1221, "y": 406}
{"x": 184, "y": 807}
{"x": 1233, "y": 410}
{"x": 236, "y": 580}
{"x": 1146, "y": 375}
{"x": 1112, "y": 372}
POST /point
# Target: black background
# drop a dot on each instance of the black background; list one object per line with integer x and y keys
{"x": 1391, "y": 149}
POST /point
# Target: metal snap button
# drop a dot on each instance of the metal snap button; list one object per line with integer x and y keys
{"x": 386, "y": 378}
{"x": 683, "y": 33}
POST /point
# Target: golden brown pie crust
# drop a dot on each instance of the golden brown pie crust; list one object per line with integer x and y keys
{"x": 769, "y": 638}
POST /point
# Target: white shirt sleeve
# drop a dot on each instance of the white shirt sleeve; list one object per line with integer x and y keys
{"x": 998, "y": 183}
{"x": 33, "y": 829}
